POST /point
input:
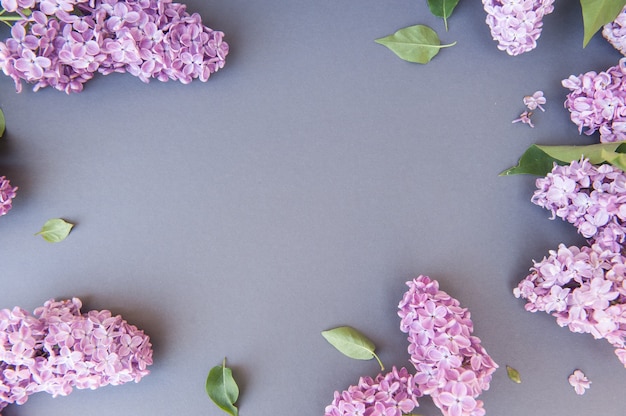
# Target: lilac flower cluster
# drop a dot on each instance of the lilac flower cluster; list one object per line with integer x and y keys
{"x": 451, "y": 364}
{"x": 62, "y": 43}
{"x": 592, "y": 198}
{"x": 58, "y": 348}
{"x": 615, "y": 32}
{"x": 7, "y": 193}
{"x": 584, "y": 288}
{"x": 516, "y": 24}
{"x": 392, "y": 394}
{"x": 597, "y": 102}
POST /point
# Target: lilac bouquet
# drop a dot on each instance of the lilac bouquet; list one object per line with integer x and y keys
{"x": 450, "y": 363}
{"x": 7, "y": 193}
{"x": 63, "y": 43}
{"x": 597, "y": 102}
{"x": 58, "y": 348}
{"x": 584, "y": 288}
{"x": 516, "y": 24}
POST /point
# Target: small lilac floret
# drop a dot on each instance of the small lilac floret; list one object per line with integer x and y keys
{"x": 57, "y": 349}
{"x": 524, "y": 118}
{"x": 7, "y": 193}
{"x": 450, "y": 363}
{"x": 532, "y": 102}
{"x": 579, "y": 381}
{"x": 597, "y": 102}
{"x": 516, "y": 24}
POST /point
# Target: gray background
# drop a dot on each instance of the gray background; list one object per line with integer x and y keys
{"x": 298, "y": 190}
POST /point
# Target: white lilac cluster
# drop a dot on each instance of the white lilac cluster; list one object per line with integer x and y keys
{"x": 450, "y": 363}
{"x": 63, "y": 43}
{"x": 584, "y": 288}
{"x": 58, "y": 348}
{"x": 516, "y": 24}
{"x": 597, "y": 102}
{"x": 615, "y": 32}
{"x": 7, "y": 193}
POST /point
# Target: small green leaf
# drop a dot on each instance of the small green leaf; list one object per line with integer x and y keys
{"x": 539, "y": 160}
{"x": 513, "y": 374}
{"x": 597, "y": 13}
{"x": 417, "y": 43}
{"x": 222, "y": 388}
{"x": 352, "y": 343}
{"x": 442, "y": 8}
{"x": 55, "y": 230}
{"x": 3, "y": 123}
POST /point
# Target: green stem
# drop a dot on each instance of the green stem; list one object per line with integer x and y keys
{"x": 10, "y": 18}
{"x": 382, "y": 367}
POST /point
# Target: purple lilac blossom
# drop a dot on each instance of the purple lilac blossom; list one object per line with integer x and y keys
{"x": 592, "y": 198}
{"x": 579, "y": 381}
{"x": 450, "y": 363}
{"x": 597, "y": 102}
{"x": 615, "y": 32}
{"x": 516, "y": 24}
{"x": 7, "y": 193}
{"x": 57, "y": 349}
{"x": 391, "y": 394}
{"x": 63, "y": 43}
{"x": 584, "y": 288}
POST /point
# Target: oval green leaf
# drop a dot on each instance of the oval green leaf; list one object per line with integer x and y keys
{"x": 352, "y": 343}
{"x": 513, "y": 374}
{"x": 222, "y": 388}
{"x": 55, "y": 230}
{"x": 442, "y": 8}
{"x": 597, "y": 13}
{"x": 417, "y": 43}
{"x": 539, "y": 160}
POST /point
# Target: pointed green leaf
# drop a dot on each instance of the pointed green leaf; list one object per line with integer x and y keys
{"x": 597, "y": 13}
{"x": 352, "y": 343}
{"x": 442, "y": 8}
{"x": 3, "y": 123}
{"x": 513, "y": 374}
{"x": 55, "y": 230}
{"x": 222, "y": 388}
{"x": 539, "y": 160}
{"x": 417, "y": 43}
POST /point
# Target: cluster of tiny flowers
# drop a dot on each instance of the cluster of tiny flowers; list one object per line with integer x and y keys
{"x": 452, "y": 366}
{"x": 516, "y": 24}
{"x": 532, "y": 102}
{"x": 58, "y": 348}
{"x": 391, "y": 394}
{"x": 615, "y": 32}
{"x": 7, "y": 193}
{"x": 592, "y": 198}
{"x": 597, "y": 102}
{"x": 584, "y": 288}
{"x": 450, "y": 363}
{"x": 62, "y": 43}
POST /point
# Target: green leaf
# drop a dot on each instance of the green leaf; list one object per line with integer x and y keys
{"x": 513, "y": 374}
{"x": 539, "y": 160}
{"x": 352, "y": 343}
{"x": 222, "y": 388}
{"x": 55, "y": 230}
{"x": 417, "y": 43}
{"x": 3, "y": 123}
{"x": 442, "y": 8}
{"x": 597, "y": 13}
